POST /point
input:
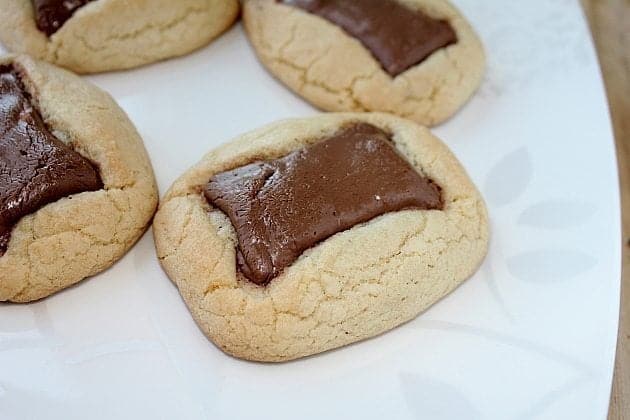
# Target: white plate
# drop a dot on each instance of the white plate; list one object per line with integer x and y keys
{"x": 531, "y": 335}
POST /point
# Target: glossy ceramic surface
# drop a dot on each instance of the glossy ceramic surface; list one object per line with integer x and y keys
{"x": 531, "y": 335}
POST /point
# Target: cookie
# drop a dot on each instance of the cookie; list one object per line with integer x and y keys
{"x": 418, "y": 59}
{"x": 76, "y": 185}
{"x": 90, "y": 36}
{"x": 311, "y": 234}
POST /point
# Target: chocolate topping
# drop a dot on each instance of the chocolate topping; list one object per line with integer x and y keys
{"x": 50, "y": 15}
{"x": 280, "y": 208}
{"x": 35, "y": 167}
{"x": 397, "y": 36}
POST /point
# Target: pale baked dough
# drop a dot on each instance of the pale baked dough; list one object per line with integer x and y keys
{"x": 109, "y": 35}
{"x": 354, "y": 285}
{"x": 78, "y": 236}
{"x": 335, "y": 72}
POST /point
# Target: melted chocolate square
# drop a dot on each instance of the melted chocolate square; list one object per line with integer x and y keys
{"x": 396, "y": 35}
{"x": 280, "y": 208}
{"x": 35, "y": 167}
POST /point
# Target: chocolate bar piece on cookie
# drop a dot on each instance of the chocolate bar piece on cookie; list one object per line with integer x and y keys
{"x": 311, "y": 234}
{"x": 419, "y": 59}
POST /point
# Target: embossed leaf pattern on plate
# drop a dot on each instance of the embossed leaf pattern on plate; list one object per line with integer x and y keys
{"x": 557, "y": 214}
{"x": 509, "y": 177}
{"x": 549, "y": 265}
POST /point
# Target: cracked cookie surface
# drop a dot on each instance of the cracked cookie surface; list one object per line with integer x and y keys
{"x": 109, "y": 35}
{"x": 335, "y": 72}
{"x": 80, "y": 235}
{"x": 354, "y": 285}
